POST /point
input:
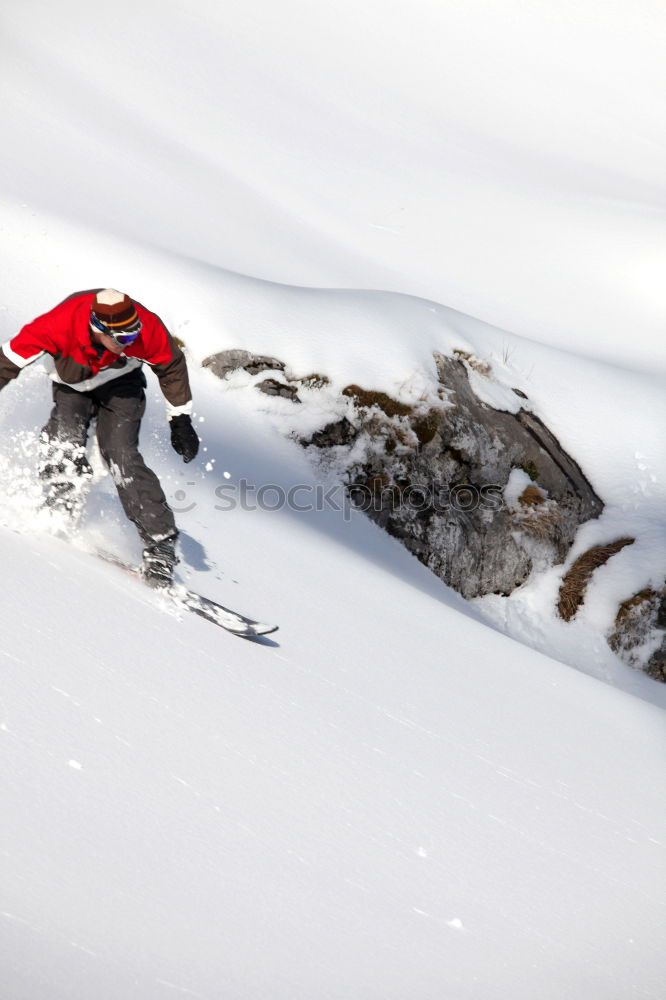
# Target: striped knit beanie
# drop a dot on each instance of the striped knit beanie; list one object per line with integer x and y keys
{"x": 115, "y": 310}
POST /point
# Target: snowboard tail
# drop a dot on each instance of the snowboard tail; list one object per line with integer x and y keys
{"x": 199, "y": 605}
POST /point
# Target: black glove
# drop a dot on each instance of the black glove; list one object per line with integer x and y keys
{"x": 184, "y": 438}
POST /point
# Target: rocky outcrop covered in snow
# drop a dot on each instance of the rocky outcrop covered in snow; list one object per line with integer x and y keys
{"x": 479, "y": 493}
{"x": 466, "y": 476}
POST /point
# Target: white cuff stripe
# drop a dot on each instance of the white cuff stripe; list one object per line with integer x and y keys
{"x": 19, "y": 361}
{"x": 175, "y": 411}
{"x": 101, "y": 378}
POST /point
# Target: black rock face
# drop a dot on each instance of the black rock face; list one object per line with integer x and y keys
{"x": 434, "y": 479}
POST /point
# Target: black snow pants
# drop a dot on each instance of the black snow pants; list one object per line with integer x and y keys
{"x": 119, "y": 406}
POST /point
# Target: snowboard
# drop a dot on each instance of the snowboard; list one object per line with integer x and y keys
{"x": 199, "y": 605}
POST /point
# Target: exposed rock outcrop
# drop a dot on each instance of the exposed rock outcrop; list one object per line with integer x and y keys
{"x": 479, "y": 494}
{"x": 224, "y": 362}
{"x": 468, "y": 478}
{"x": 272, "y": 387}
{"x": 435, "y": 477}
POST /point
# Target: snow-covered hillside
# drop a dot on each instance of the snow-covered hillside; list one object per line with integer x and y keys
{"x": 385, "y": 799}
{"x": 385, "y": 341}
{"x": 390, "y": 797}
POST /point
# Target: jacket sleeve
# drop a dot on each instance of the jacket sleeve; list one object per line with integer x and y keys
{"x": 174, "y": 381}
{"x": 8, "y": 369}
{"x": 29, "y": 344}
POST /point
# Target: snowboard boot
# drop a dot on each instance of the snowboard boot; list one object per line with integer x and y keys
{"x": 159, "y": 560}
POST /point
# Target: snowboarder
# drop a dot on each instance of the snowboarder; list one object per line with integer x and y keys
{"x": 98, "y": 341}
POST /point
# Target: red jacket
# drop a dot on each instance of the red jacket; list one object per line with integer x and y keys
{"x": 64, "y": 334}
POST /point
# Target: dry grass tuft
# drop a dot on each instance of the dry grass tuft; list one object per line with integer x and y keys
{"x": 531, "y": 496}
{"x": 540, "y": 518}
{"x": 633, "y": 603}
{"x": 426, "y": 426}
{"x": 572, "y": 590}
{"x": 368, "y": 398}
{"x": 482, "y": 367}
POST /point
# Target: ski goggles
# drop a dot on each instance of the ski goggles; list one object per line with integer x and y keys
{"x": 124, "y": 337}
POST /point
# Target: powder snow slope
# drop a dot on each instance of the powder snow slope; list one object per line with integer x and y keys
{"x": 386, "y": 799}
{"x": 505, "y": 159}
